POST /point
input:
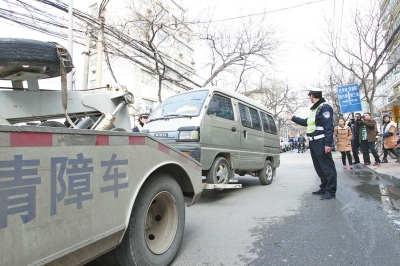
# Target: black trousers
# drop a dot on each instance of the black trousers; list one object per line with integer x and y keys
{"x": 344, "y": 153}
{"x": 324, "y": 166}
{"x": 366, "y": 147}
{"x": 386, "y": 151}
{"x": 355, "y": 145}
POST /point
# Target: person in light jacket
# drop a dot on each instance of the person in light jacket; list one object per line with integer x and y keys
{"x": 343, "y": 136}
{"x": 389, "y": 138}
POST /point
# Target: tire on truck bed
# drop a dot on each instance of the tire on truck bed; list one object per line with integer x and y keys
{"x": 41, "y": 57}
{"x": 156, "y": 226}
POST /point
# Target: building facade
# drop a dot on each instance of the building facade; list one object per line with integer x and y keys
{"x": 387, "y": 95}
{"x": 138, "y": 74}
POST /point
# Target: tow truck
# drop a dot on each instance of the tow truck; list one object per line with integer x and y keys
{"x": 89, "y": 190}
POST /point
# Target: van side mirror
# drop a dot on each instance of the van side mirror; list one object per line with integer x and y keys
{"x": 213, "y": 107}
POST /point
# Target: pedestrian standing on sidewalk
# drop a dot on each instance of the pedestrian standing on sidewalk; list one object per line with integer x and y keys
{"x": 320, "y": 133}
{"x": 355, "y": 142}
{"x": 366, "y": 134}
{"x": 389, "y": 138}
{"x": 343, "y": 136}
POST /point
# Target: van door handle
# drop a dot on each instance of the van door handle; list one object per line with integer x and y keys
{"x": 234, "y": 129}
{"x": 245, "y": 134}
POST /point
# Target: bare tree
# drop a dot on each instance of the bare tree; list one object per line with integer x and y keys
{"x": 163, "y": 28}
{"x": 364, "y": 51}
{"x": 336, "y": 76}
{"x": 238, "y": 49}
{"x": 276, "y": 96}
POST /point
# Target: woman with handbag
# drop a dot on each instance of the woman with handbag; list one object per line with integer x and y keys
{"x": 389, "y": 138}
{"x": 343, "y": 136}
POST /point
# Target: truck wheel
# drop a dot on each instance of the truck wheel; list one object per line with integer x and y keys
{"x": 156, "y": 225}
{"x": 220, "y": 172}
{"x": 266, "y": 175}
{"x": 40, "y": 57}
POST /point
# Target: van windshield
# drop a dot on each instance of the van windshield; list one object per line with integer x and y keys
{"x": 180, "y": 105}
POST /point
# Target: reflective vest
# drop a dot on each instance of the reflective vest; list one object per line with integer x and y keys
{"x": 311, "y": 120}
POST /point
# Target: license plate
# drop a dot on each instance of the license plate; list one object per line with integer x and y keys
{"x": 163, "y": 135}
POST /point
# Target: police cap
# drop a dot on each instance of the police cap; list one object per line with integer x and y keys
{"x": 144, "y": 115}
{"x": 316, "y": 92}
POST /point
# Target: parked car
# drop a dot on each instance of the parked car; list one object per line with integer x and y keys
{"x": 283, "y": 144}
{"x": 287, "y": 143}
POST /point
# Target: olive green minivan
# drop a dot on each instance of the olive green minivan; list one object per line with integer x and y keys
{"x": 225, "y": 131}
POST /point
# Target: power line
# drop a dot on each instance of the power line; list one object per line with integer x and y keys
{"x": 140, "y": 49}
{"x": 258, "y": 14}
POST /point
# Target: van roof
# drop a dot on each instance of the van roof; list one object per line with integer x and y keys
{"x": 234, "y": 94}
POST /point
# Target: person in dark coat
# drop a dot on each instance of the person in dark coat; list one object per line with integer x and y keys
{"x": 320, "y": 134}
{"x": 355, "y": 142}
{"x": 366, "y": 135}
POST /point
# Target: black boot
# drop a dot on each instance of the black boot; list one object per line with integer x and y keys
{"x": 384, "y": 160}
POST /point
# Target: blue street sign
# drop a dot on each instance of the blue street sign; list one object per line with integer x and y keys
{"x": 349, "y": 98}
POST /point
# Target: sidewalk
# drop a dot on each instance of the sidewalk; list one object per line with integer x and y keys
{"x": 389, "y": 171}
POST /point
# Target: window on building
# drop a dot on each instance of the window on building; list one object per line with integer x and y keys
{"x": 92, "y": 83}
{"x": 93, "y": 61}
{"x": 149, "y": 105}
{"x": 95, "y": 10}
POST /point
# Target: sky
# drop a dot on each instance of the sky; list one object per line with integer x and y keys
{"x": 299, "y": 23}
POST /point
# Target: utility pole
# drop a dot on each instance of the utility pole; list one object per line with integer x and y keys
{"x": 70, "y": 43}
{"x": 100, "y": 48}
{"x": 87, "y": 58}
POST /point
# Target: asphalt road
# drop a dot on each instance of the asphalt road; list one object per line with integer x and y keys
{"x": 283, "y": 224}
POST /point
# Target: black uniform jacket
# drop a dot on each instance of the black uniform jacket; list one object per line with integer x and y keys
{"x": 323, "y": 118}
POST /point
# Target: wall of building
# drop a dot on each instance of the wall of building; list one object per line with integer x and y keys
{"x": 179, "y": 53}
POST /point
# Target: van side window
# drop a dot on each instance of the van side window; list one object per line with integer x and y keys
{"x": 249, "y": 117}
{"x": 268, "y": 123}
{"x": 225, "y": 104}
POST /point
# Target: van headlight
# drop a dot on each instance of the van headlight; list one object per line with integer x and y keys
{"x": 189, "y": 135}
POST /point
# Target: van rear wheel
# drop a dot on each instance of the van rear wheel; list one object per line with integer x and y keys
{"x": 220, "y": 172}
{"x": 266, "y": 175}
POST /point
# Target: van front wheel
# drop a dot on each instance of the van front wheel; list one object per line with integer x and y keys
{"x": 266, "y": 175}
{"x": 219, "y": 172}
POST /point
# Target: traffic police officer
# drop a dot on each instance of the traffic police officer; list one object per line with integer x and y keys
{"x": 142, "y": 120}
{"x": 320, "y": 134}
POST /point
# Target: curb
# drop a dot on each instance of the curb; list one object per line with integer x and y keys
{"x": 389, "y": 171}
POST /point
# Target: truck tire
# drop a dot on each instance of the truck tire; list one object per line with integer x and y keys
{"x": 156, "y": 225}
{"x": 219, "y": 172}
{"x": 41, "y": 57}
{"x": 266, "y": 175}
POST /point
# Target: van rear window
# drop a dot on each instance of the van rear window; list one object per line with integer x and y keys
{"x": 268, "y": 123}
{"x": 249, "y": 117}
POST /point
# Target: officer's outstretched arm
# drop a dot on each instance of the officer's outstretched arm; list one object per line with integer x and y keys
{"x": 299, "y": 121}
